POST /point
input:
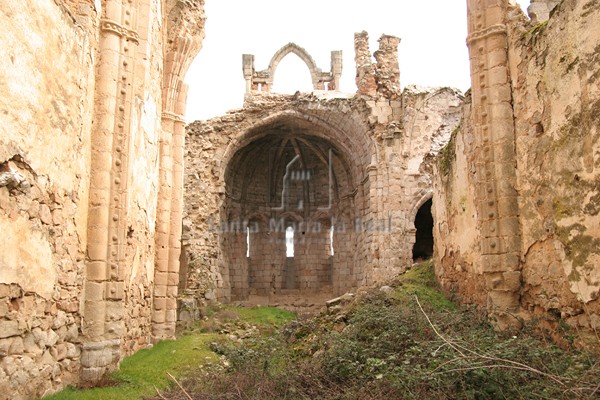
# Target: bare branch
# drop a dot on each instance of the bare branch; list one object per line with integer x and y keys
{"x": 159, "y": 394}
{"x": 506, "y": 363}
{"x": 180, "y": 387}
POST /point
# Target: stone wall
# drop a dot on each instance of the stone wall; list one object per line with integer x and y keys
{"x": 364, "y": 167}
{"x": 550, "y": 72}
{"x": 44, "y": 181}
{"x": 86, "y": 142}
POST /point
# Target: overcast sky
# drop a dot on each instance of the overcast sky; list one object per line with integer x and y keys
{"x": 432, "y": 50}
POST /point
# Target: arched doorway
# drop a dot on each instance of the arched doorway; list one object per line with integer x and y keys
{"x": 423, "y": 247}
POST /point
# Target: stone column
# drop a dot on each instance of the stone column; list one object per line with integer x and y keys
{"x": 163, "y": 229}
{"x": 493, "y": 126}
{"x": 104, "y": 288}
{"x": 176, "y": 205}
{"x": 336, "y": 69}
{"x": 248, "y": 69}
{"x": 185, "y": 32}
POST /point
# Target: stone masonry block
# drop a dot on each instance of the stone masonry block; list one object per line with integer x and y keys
{"x": 94, "y": 313}
{"x": 500, "y": 262}
{"x": 510, "y": 226}
{"x": 508, "y": 207}
{"x": 160, "y": 290}
{"x": 172, "y": 291}
{"x": 94, "y": 291}
{"x": 492, "y": 245}
{"x": 503, "y": 300}
{"x": 96, "y": 271}
{"x": 500, "y": 94}
{"x": 158, "y": 316}
{"x": 97, "y": 251}
{"x": 497, "y": 57}
{"x": 9, "y": 328}
{"x": 173, "y": 279}
{"x": 115, "y": 290}
{"x": 504, "y": 281}
{"x": 161, "y": 278}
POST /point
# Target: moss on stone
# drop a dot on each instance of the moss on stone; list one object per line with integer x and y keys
{"x": 535, "y": 30}
{"x": 578, "y": 248}
{"x": 447, "y": 154}
{"x": 561, "y": 209}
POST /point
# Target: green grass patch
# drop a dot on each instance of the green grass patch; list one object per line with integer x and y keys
{"x": 264, "y": 315}
{"x": 420, "y": 281}
{"x": 143, "y": 371}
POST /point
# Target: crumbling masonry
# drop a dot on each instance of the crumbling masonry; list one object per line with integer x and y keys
{"x": 91, "y": 160}
{"x": 96, "y": 204}
{"x": 344, "y": 176}
{"x": 516, "y": 193}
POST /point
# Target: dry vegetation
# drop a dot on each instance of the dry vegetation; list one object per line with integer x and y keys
{"x": 411, "y": 343}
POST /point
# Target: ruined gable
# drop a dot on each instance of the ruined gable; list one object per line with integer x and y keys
{"x": 343, "y": 172}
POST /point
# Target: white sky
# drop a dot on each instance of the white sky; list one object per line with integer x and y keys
{"x": 432, "y": 50}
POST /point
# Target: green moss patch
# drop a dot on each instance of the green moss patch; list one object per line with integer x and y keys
{"x": 420, "y": 281}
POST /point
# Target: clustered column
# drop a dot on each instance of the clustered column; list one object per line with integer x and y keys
{"x": 493, "y": 124}
{"x": 169, "y": 218}
{"x": 184, "y": 35}
{"x": 104, "y": 287}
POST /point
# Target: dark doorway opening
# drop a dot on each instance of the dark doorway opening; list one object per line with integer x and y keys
{"x": 423, "y": 248}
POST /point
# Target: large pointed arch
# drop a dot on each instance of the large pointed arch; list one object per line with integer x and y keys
{"x": 262, "y": 81}
{"x": 293, "y": 48}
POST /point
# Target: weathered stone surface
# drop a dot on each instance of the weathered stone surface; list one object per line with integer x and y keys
{"x": 9, "y": 328}
{"x": 539, "y": 10}
{"x": 516, "y": 199}
{"x": 73, "y": 192}
{"x": 92, "y": 179}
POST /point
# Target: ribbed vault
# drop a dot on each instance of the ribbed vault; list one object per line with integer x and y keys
{"x": 290, "y": 172}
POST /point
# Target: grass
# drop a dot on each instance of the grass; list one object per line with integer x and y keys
{"x": 140, "y": 373}
{"x": 377, "y": 347}
{"x": 147, "y": 368}
{"x": 264, "y": 315}
{"x": 420, "y": 281}
{"x": 389, "y": 346}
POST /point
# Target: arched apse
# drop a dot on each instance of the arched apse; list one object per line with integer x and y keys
{"x": 290, "y": 173}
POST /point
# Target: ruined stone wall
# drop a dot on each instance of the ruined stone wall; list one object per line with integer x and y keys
{"x": 239, "y": 194}
{"x": 456, "y": 228}
{"x": 552, "y": 70}
{"x": 557, "y": 118}
{"x": 383, "y": 150}
{"x": 45, "y": 124}
{"x": 429, "y": 117}
{"x": 81, "y": 164}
